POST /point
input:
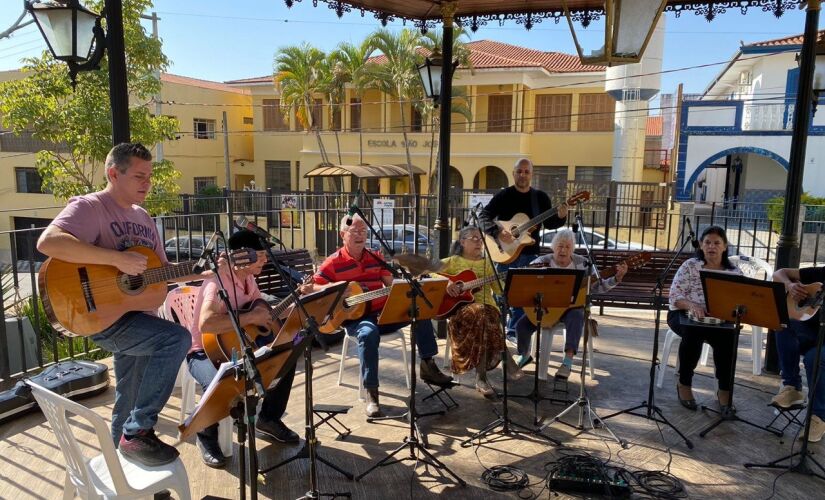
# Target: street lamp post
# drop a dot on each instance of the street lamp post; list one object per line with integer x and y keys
{"x": 74, "y": 35}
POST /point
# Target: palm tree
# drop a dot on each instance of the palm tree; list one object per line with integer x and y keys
{"x": 301, "y": 71}
{"x": 397, "y": 76}
{"x": 349, "y": 63}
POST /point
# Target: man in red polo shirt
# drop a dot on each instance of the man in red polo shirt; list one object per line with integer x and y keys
{"x": 353, "y": 262}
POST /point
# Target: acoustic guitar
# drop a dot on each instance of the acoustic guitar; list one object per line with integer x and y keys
{"x": 805, "y": 309}
{"x": 353, "y": 307}
{"x": 468, "y": 284}
{"x": 552, "y": 315}
{"x": 85, "y": 299}
{"x": 520, "y": 226}
{"x": 221, "y": 346}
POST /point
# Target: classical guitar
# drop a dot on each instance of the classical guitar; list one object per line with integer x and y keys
{"x": 221, "y": 346}
{"x": 805, "y": 309}
{"x": 85, "y": 299}
{"x": 552, "y": 315}
{"x": 520, "y": 226}
{"x": 353, "y": 307}
{"x": 468, "y": 284}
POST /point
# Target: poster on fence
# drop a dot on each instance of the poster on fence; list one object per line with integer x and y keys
{"x": 383, "y": 210}
{"x": 289, "y": 211}
{"x": 479, "y": 201}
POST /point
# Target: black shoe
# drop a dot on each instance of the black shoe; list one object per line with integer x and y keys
{"x": 211, "y": 454}
{"x": 146, "y": 448}
{"x": 430, "y": 373}
{"x": 276, "y": 430}
{"x": 690, "y": 404}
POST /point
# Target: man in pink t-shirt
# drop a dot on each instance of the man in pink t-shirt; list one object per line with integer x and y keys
{"x": 95, "y": 229}
{"x": 211, "y": 316}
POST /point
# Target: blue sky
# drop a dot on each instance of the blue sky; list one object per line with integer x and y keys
{"x": 220, "y": 40}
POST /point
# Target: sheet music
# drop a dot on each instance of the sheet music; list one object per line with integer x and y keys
{"x": 225, "y": 367}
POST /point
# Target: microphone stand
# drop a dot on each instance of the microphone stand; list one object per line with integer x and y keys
{"x": 413, "y": 441}
{"x": 653, "y": 412}
{"x": 244, "y": 412}
{"x": 508, "y": 427}
{"x": 309, "y": 450}
{"x": 583, "y": 401}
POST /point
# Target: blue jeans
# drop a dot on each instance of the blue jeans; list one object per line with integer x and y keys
{"x": 515, "y": 312}
{"x": 368, "y": 334}
{"x": 799, "y": 339}
{"x": 147, "y": 352}
{"x": 573, "y": 324}
{"x": 272, "y": 407}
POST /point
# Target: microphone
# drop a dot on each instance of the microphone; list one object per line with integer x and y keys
{"x": 243, "y": 223}
{"x": 693, "y": 241}
{"x": 207, "y": 250}
{"x": 353, "y": 210}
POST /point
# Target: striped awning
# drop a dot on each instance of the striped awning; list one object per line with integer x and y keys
{"x": 365, "y": 171}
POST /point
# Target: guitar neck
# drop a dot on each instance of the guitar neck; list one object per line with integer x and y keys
{"x": 366, "y": 297}
{"x": 479, "y": 282}
{"x": 169, "y": 272}
{"x": 535, "y": 221}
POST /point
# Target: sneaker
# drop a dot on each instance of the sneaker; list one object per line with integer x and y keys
{"x": 788, "y": 396}
{"x": 817, "y": 429}
{"x": 373, "y": 408}
{"x": 523, "y": 360}
{"x": 563, "y": 372}
{"x": 211, "y": 454}
{"x": 431, "y": 374}
{"x": 146, "y": 448}
{"x": 276, "y": 430}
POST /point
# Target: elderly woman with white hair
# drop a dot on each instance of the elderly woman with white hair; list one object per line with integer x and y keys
{"x": 563, "y": 245}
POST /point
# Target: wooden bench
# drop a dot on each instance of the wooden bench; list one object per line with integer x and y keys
{"x": 270, "y": 282}
{"x": 636, "y": 289}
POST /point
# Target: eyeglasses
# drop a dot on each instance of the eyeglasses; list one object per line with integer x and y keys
{"x": 472, "y": 238}
{"x": 357, "y": 232}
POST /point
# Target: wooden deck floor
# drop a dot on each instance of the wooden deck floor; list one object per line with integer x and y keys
{"x": 31, "y": 465}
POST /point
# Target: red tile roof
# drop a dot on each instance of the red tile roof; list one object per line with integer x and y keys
{"x": 489, "y": 54}
{"x": 788, "y": 40}
{"x": 196, "y": 82}
{"x": 654, "y": 125}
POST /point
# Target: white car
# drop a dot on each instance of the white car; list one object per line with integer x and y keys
{"x": 595, "y": 239}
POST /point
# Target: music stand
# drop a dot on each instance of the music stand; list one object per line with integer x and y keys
{"x": 226, "y": 390}
{"x": 402, "y": 306}
{"x": 739, "y": 299}
{"x": 541, "y": 288}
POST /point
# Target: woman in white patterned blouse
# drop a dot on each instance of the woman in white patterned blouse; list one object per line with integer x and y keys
{"x": 686, "y": 295}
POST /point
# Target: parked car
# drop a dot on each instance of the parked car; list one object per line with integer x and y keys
{"x": 401, "y": 238}
{"x": 595, "y": 239}
{"x": 178, "y": 248}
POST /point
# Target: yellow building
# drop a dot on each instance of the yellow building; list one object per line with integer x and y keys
{"x": 545, "y": 106}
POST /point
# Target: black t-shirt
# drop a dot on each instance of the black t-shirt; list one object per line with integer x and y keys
{"x": 809, "y": 275}
{"x": 509, "y": 202}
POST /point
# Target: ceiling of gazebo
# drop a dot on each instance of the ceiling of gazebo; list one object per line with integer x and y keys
{"x": 475, "y": 13}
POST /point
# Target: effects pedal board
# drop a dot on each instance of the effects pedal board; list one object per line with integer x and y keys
{"x": 572, "y": 482}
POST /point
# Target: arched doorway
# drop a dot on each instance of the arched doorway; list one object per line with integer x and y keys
{"x": 738, "y": 175}
{"x": 489, "y": 178}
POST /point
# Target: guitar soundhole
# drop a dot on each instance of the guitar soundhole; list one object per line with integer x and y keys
{"x": 130, "y": 284}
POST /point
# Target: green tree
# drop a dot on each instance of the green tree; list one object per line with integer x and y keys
{"x": 350, "y": 67}
{"x": 78, "y": 121}
{"x": 397, "y": 75}
{"x": 301, "y": 72}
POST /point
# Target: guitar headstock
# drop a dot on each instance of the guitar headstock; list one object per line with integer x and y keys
{"x": 243, "y": 257}
{"x": 579, "y": 197}
{"x": 638, "y": 260}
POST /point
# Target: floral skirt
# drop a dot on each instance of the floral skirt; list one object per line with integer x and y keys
{"x": 475, "y": 329}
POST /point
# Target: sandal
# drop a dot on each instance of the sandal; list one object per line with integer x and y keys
{"x": 484, "y": 388}
{"x": 690, "y": 404}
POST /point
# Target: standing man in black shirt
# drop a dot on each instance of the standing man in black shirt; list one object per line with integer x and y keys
{"x": 519, "y": 198}
{"x": 799, "y": 339}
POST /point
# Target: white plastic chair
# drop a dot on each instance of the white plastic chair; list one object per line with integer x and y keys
{"x": 547, "y": 336}
{"x": 670, "y": 338}
{"x": 109, "y": 474}
{"x": 352, "y": 340}
{"x": 181, "y": 301}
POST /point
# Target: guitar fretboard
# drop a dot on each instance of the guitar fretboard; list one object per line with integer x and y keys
{"x": 169, "y": 272}
{"x": 366, "y": 297}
